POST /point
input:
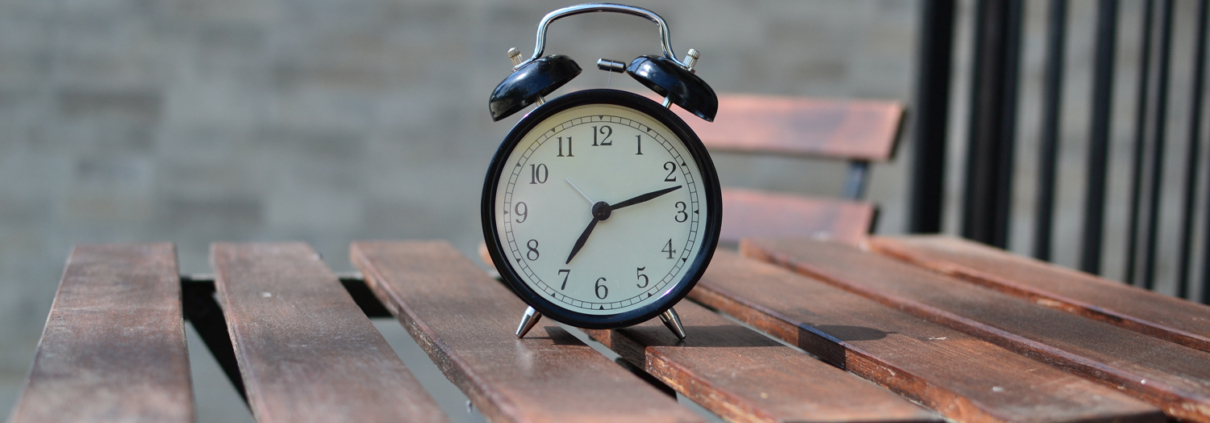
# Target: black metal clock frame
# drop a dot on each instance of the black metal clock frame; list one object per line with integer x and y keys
{"x": 709, "y": 188}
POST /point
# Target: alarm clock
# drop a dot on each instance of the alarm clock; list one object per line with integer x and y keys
{"x": 601, "y": 208}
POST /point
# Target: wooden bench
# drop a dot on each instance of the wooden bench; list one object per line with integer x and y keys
{"x": 845, "y": 336}
{"x": 859, "y": 132}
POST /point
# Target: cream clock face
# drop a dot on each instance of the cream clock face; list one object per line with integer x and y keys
{"x": 601, "y": 210}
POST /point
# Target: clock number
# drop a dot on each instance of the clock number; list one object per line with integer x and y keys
{"x": 601, "y": 290}
{"x": 671, "y": 168}
{"x": 568, "y": 147}
{"x": 667, "y": 249}
{"x": 522, "y": 212}
{"x": 642, "y": 277}
{"x": 533, "y": 249}
{"x": 539, "y": 173}
{"x": 681, "y": 214}
{"x": 565, "y": 273}
{"x": 606, "y": 131}
{"x": 639, "y": 142}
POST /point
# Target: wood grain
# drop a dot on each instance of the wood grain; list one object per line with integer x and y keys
{"x": 744, "y": 376}
{"x": 963, "y": 378}
{"x": 753, "y": 214}
{"x": 1184, "y": 322}
{"x": 1172, "y": 377}
{"x": 848, "y": 129}
{"x": 114, "y": 344}
{"x": 306, "y": 351}
{"x": 465, "y": 321}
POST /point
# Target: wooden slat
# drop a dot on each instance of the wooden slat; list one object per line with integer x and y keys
{"x": 1137, "y": 309}
{"x": 1170, "y": 376}
{"x": 963, "y": 378}
{"x": 465, "y": 321}
{"x": 846, "y": 129}
{"x": 749, "y": 214}
{"x": 306, "y": 351}
{"x": 744, "y": 376}
{"x": 114, "y": 344}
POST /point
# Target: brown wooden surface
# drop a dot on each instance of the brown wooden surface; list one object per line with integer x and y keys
{"x": 748, "y": 214}
{"x": 1137, "y": 309}
{"x": 848, "y": 129}
{"x": 1170, "y": 376}
{"x": 306, "y": 352}
{"x": 744, "y": 376}
{"x": 962, "y": 377}
{"x": 114, "y": 344}
{"x": 465, "y": 321}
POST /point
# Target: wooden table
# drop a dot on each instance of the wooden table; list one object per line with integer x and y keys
{"x": 900, "y": 329}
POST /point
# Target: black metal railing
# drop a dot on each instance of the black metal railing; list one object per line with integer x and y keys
{"x": 992, "y": 119}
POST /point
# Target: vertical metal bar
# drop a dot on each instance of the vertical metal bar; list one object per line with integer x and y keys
{"x": 934, "y": 60}
{"x": 1157, "y": 141}
{"x": 854, "y": 186}
{"x": 1050, "y": 129}
{"x": 973, "y": 208}
{"x": 988, "y": 192}
{"x": 1008, "y": 125}
{"x": 1140, "y": 142}
{"x": 1193, "y": 154}
{"x": 1206, "y": 234}
{"x": 1098, "y": 143}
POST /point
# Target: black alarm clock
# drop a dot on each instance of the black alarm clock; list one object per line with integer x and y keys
{"x": 601, "y": 208}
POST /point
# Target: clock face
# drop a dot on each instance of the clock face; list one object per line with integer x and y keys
{"x": 602, "y": 212}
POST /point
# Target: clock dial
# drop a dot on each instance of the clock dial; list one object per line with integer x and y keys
{"x": 601, "y": 209}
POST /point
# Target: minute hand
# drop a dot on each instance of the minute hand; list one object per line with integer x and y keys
{"x": 644, "y": 197}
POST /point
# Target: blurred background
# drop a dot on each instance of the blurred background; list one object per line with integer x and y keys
{"x": 329, "y": 121}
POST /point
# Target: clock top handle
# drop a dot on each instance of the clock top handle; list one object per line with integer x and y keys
{"x": 665, "y": 37}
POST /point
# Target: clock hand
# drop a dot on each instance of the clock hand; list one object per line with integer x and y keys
{"x": 645, "y": 197}
{"x": 583, "y": 237}
{"x": 578, "y": 190}
{"x": 600, "y": 211}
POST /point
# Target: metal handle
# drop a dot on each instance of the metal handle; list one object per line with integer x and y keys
{"x": 665, "y": 38}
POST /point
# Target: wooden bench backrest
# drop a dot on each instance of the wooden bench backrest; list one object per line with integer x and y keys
{"x": 854, "y": 130}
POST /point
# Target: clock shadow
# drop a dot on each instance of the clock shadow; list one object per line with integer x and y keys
{"x": 852, "y": 333}
{"x": 557, "y": 335}
{"x": 657, "y": 335}
{"x": 729, "y": 336}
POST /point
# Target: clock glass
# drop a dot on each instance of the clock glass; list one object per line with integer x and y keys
{"x": 604, "y": 205}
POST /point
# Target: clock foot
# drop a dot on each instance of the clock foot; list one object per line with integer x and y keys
{"x": 528, "y": 321}
{"x": 673, "y": 321}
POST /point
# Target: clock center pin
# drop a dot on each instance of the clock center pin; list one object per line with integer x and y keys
{"x": 601, "y": 211}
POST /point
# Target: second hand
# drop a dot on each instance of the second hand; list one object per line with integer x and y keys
{"x": 573, "y": 185}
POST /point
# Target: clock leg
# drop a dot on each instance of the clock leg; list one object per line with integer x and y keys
{"x": 673, "y": 321}
{"x": 528, "y": 321}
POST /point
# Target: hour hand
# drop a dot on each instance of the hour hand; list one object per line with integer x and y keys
{"x": 600, "y": 211}
{"x": 580, "y": 242}
{"x": 645, "y": 197}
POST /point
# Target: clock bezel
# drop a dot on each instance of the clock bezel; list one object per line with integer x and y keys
{"x": 709, "y": 189}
